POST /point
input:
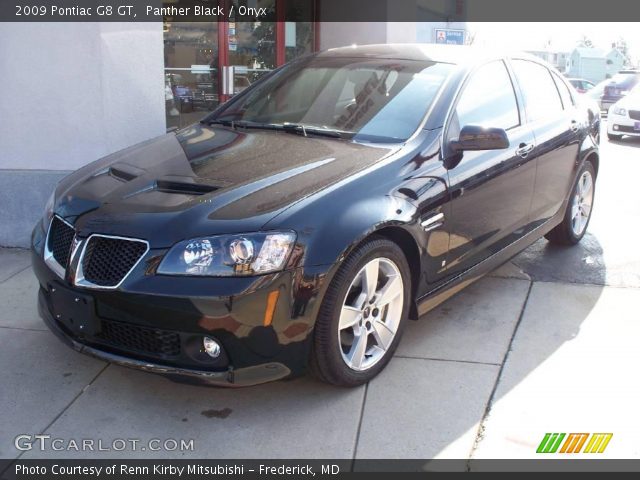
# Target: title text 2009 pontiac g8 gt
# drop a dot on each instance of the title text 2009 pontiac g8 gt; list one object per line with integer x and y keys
{"x": 305, "y": 221}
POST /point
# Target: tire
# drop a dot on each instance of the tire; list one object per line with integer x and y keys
{"x": 612, "y": 136}
{"x": 353, "y": 355}
{"x": 570, "y": 232}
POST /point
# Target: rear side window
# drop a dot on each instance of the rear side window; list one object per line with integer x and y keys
{"x": 565, "y": 93}
{"x": 541, "y": 96}
{"x": 488, "y": 99}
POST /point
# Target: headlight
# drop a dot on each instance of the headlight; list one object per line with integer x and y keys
{"x": 229, "y": 255}
{"x": 48, "y": 208}
{"x": 620, "y": 111}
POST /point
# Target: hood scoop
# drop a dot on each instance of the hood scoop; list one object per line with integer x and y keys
{"x": 124, "y": 173}
{"x": 169, "y": 192}
{"x": 184, "y": 188}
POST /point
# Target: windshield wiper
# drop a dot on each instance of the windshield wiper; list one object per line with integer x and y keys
{"x": 242, "y": 124}
{"x": 287, "y": 127}
{"x": 313, "y": 130}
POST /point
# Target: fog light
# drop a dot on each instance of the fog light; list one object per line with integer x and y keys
{"x": 615, "y": 127}
{"x": 211, "y": 347}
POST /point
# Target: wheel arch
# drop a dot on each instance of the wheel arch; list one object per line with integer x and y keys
{"x": 399, "y": 235}
{"x": 594, "y": 158}
{"x": 409, "y": 247}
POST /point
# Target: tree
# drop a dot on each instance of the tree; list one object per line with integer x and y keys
{"x": 623, "y": 48}
{"x": 585, "y": 42}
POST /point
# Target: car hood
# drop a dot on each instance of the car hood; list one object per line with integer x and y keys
{"x": 629, "y": 102}
{"x": 206, "y": 180}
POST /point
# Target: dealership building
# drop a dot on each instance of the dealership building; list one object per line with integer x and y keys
{"x": 75, "y": 92}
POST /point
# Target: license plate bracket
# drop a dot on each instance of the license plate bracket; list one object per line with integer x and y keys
{"x": 74, "y": 310}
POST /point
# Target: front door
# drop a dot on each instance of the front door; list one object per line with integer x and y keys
{"x": 490, "y": 191}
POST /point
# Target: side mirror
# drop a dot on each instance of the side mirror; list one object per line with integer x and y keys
{"x": 479, "y": 138}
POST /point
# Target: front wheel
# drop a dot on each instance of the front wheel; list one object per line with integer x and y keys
{"x": 362, "y": 315}
{"x": 578, "y": 213}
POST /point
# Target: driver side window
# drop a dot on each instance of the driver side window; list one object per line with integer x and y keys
{"x": 487, "y": 100}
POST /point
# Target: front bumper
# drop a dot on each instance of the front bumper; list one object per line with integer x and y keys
{"x": 227, "y": 378}
{"x": 622, "y": 125}
{"x": 230, "y": 310}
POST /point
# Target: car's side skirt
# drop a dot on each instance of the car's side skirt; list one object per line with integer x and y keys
{"x": 453, "y": 286}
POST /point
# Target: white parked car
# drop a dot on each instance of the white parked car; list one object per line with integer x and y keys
{"x": 624, "y": 116}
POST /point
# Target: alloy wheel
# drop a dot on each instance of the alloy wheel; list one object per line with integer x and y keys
{"x": 370, "y": 314}
{"x": 582, "y": 203}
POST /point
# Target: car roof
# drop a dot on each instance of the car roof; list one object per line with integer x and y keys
{"x": 455, "y": 54}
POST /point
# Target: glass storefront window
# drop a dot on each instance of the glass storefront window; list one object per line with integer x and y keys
{"x": 192, "y": 54}
{"x": 191, "y": 71}
{"x": 252, "y": 45}
{"x": 299, "y": 37}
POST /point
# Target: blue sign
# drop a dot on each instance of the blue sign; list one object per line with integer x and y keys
{"x": 450, "y": 37}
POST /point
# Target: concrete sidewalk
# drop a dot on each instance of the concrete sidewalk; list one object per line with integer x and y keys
{"x": 484, "y": 375}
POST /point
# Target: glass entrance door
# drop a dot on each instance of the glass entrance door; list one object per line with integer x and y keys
{"x": 191, "y": 59}
{"x": 251, "y": 45}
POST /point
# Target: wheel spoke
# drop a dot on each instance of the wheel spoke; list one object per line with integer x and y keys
{"x": 349, "y": 316}
{"x": 575, "y": 208}
{"x": 390, "y": 291}
{"x": 358, "y": 349}
{"x": 383, "y": 334}
{"x": 576, "y": 224}
{"x": 370, "y": 278}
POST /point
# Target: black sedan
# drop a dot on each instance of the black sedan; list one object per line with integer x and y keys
{"x": 304, "y": 222}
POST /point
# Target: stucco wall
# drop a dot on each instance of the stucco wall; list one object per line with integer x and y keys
{"x": 72, "y": 93}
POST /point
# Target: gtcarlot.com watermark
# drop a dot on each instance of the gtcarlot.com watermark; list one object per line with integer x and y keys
{"x": 47, "y": 442}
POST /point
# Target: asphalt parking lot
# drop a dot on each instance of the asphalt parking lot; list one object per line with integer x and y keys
{"x": 548, "y": 343}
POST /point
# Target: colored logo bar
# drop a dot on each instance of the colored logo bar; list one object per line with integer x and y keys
{"x": 574, "y": 442}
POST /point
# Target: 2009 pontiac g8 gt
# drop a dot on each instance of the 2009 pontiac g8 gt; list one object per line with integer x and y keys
{"x": 304, "y": 222}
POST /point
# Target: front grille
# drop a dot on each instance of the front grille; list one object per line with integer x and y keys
{"x": 59, "y": 242}
{"x": 107, "y": 260}
{"x": 634, "y": 114}
{"x": 141, "y": 339}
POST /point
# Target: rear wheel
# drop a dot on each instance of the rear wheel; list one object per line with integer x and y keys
{"x": 578, "y": 213}
{"x": 362, "y": 315}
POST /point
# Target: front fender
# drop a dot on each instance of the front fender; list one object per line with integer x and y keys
{"x": 332, "y": 238}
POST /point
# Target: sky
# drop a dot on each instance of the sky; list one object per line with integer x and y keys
{"x": 562, "y": 35}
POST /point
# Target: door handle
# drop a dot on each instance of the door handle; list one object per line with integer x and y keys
{"x": 574, "y": 126}
{"x": 524, "y": 149}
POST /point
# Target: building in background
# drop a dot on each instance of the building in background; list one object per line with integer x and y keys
{"x": 80, "y": 91}
{"x": 594, "y": 64}
{"x": 557, "y": 59}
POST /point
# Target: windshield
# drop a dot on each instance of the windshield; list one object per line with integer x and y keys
{"x": 375, "y": 100}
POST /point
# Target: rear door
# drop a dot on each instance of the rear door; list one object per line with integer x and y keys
{"x": 557, "y": 126}
{"x": 490, "y": 190}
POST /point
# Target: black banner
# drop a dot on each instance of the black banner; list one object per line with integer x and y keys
{"x": 198, "y": 469}
{"x": 318, "y": 10}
